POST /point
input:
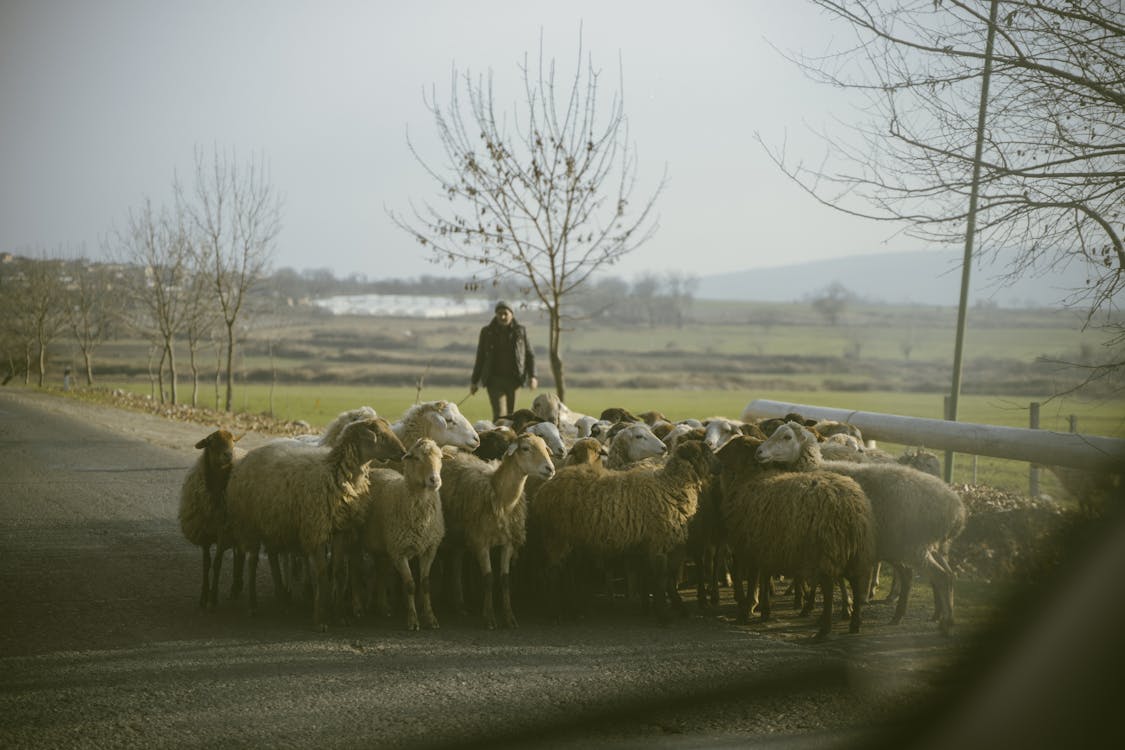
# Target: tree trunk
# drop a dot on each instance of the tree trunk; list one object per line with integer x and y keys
{"x": 160, "y": 372}
{"x": 194, "y": 375}
{"x": 230, "y": 365}
{"x": 42, "y": 363}
{"x": 172, "y": 372}
{"x": 89, "y": 360}
{"x": 556, "y": 358}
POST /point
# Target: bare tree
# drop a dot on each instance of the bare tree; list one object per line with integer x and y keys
{"x": 157, "y": 246}
{"x": 1052, "y": 186}
{"x": 831, "y": 301}
{"x": 235, "y": 216}
{"x": 544, "y": 198}
{"x": 94, "y": 308}
{"x": 41, "y": 309}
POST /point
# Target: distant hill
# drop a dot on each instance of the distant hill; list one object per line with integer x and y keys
{"x": 926, "y": 278}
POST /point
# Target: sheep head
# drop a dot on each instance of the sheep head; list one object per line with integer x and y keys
{"x": 373, "y": 440}
{"x": 551, "y": 436}
{"x": 785, "y": 445}
{"x": 586, "y": 452}
{"x": 422, "y": 464}
{"x": 547, "y": 407}
{"x": 531, "y": 455}
{"x": 698, "y": 456}
{"x": 446, "y": 425}
{"x": 639, "y": 443}
{"x": 738, "y": 452}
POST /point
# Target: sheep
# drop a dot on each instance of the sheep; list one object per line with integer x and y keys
{"x": 583, "y": 424}
{"x": 289, "y": 496}
{"x": 916, "y": 515}
{"x": 632, "y": 444}
{"x": 441, "y": 421}
{"x": 202, "y": 510}
{"x": 332, "y": 432}
{"x": 652, "y": 417}
{"x": 494, "y": 443}
{"x": 719, "y": 430}
{"x": 519, "y": 419}
{"x": 829, "y": 427}
{"x": 608, "y": 512}
{"x": 483, "y": 425}
{"x": 922, "y": 460}
{"x": 549, "y": 408}
{"x": 551, "y": 436}
{"x": 814, "y": 525}
{"x": 618, "y": 414}
{"x": 586, "y": 452}
{"x": 485, "y": 507}
{"x": 404, "y": 520}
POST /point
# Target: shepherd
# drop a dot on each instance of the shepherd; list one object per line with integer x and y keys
{"x": 505, "y": 361}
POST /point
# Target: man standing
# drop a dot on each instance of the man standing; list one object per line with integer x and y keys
{"x": 505, "y": 360}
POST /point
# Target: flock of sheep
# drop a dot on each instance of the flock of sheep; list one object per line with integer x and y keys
{"x": 369, "y": 505}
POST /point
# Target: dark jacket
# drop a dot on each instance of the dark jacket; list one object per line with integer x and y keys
{"x": 491, "y": 354}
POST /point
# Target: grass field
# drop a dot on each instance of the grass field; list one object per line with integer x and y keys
{"x": 318, "y": 404}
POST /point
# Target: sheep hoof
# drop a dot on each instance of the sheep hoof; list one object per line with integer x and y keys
{"x": 821, "y": 636}
{"x": 412, "y": 625}
{"x": 510, "y": 622}
{"x": 431, "y": 623}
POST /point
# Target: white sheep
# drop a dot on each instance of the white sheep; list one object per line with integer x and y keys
{"x": 916, "y": 515}
{"x": 292, "y": 497}
{"x": 550, "y": 434}
{"x": 332, "y": 432}
{"x": 814, "y": 525}
{"x": 485, "y": 507}
{"x": 718, "y": 430}
{"x": 202, "y": 510}
{"x": 404, "y": 520}
{"x": 607, "y": 513}
{"x": 549, "y": 408}
{"x": 441, "y": 421}
{"x": 632, "y": 444}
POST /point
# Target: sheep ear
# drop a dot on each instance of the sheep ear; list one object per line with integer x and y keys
{"x": 439, "y": 420}
{"x": 448, "y": 451}
{"x": 203, "y": 443}
{"x": 241, "y": 436}
{"x": 511, "y": 449}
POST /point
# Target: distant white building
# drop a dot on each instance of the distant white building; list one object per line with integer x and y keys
{"x": 403, "y": 305}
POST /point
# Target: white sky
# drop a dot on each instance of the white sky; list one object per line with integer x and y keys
{"x": 101, "y": 103}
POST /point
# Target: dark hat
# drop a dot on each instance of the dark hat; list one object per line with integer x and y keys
{"x": 502, "y": 305}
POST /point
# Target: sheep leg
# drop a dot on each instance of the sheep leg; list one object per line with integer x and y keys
{"x": 484, "y": 561}
{"x": 279, "y": 587}
{"x": 238, "y": 562}
{"x": 941, "y": 579}
{"x": 456, "y": 579}
{"x": 861, "y": 584}
{"x": 905, "y": 575}
{"x": 425, "y": 560}
{"x": 874, "y": 581}
{"x": 341, "y": 564}
{"x": 826, "y": 585}
{"x": 762, "y": 579}
{"x": 252, "y": 552}
{"x": 506, "y": 553}
{"x": 658, "y": 568}
{"x": 323, "y": 594}
{"x": 205, "y": 601}
{"x": 402, "y": 565}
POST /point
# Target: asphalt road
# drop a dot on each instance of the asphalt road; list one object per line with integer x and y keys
{"x": 102, "y": 643}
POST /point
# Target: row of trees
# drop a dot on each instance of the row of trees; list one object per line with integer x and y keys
{"x": 184, "y": 272}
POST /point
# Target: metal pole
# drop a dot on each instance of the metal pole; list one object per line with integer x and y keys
{"x": 1033, "y": 474}
{"x": 966, "y": 263}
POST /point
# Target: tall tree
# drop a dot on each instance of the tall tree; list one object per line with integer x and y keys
{"x": 94, "y": 309}
{"x": 235, "y": 215}
{"x": 156, "y": 244}
{"x": 43, "y": 307}
{"x": 1052, "y": 186}
{"x": 543, "y": 197}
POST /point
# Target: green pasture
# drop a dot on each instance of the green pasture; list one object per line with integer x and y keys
{"x": 319, "y": 404}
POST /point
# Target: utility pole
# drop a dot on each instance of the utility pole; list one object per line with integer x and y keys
{"x": 966, "y": 263}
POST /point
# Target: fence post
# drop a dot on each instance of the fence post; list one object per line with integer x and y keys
{"x": 1033, "y": 474}
{"x": 1073, "y": 419}
{"x": 947, "y": 408}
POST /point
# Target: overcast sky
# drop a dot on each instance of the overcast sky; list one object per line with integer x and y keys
{"x": 101, "y": 103}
